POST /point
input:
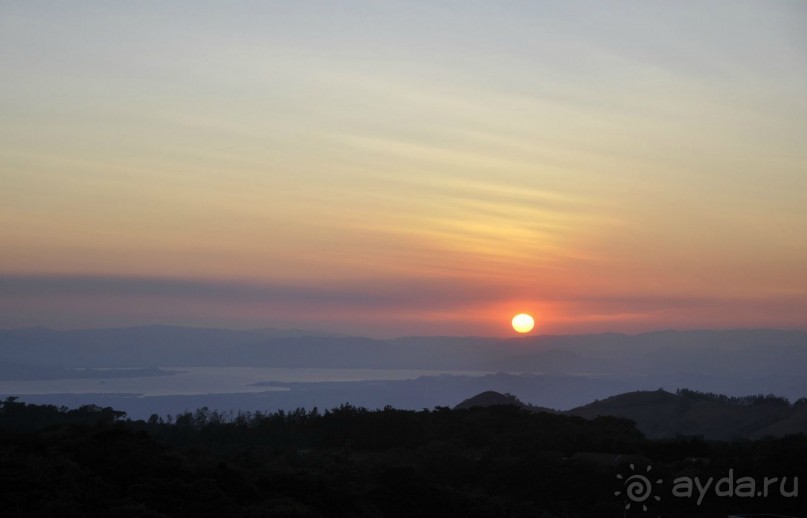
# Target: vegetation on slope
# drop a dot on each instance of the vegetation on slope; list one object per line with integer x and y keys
{"x": 348, "y": 461}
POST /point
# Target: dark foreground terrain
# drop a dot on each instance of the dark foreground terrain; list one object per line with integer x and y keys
{"x": 482, "y": 461}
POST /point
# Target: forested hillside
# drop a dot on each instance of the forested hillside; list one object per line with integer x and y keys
{"x": 483, "y": 461}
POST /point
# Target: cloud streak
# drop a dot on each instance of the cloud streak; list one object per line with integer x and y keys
{"x": 402, "y": 306}
{"x": 394, "y": 167}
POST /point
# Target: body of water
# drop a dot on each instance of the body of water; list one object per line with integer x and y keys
{"x": 211, "y": 380}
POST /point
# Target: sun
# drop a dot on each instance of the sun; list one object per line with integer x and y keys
{"x": 523, "y": 323}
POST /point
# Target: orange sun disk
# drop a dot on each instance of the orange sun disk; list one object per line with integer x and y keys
{"x": 523, "y": 323}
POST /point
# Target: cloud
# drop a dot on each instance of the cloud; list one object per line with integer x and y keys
{"x": 421, "y": 293}
{"x": 379, "y": 307}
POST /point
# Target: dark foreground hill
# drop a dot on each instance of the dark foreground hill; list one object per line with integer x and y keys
{"x": 493, "y": 398}
{"x": 661, "y": 414}
{"x": 490, "y": 398}
{"x": 346, "y": 461}
{"x": 497, "y": 461}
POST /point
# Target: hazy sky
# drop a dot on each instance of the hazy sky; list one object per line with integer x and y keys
{"x": 391, "y": 168}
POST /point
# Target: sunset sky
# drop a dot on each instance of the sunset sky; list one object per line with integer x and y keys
{"x": 390, "y": 168}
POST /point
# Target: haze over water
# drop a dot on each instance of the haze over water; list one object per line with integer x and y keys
{"x": 210, "y": 380}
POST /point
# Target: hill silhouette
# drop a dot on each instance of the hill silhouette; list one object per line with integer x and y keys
{"x": 660, "y": 414}
{"x": 713, "y": 416}
{"x": 490, "y": 398}
{"x": 493, "y": 398}
{"x": 484, "y": 461}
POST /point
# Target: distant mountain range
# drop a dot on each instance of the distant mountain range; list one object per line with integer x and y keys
{"x": 750, "y": 352}
{"x": 561, "y": 372}
{"x": 661, "y": 414}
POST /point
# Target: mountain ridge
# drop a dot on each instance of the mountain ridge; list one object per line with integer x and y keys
{"x": 661, "y": 414}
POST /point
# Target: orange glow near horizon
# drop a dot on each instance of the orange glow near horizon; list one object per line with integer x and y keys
{"x": 296, "y": 177}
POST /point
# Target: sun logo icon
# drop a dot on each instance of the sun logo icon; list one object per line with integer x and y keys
{"x": 638, "y": 488}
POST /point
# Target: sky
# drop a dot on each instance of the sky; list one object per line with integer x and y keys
{"x": 390, "y": 168}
